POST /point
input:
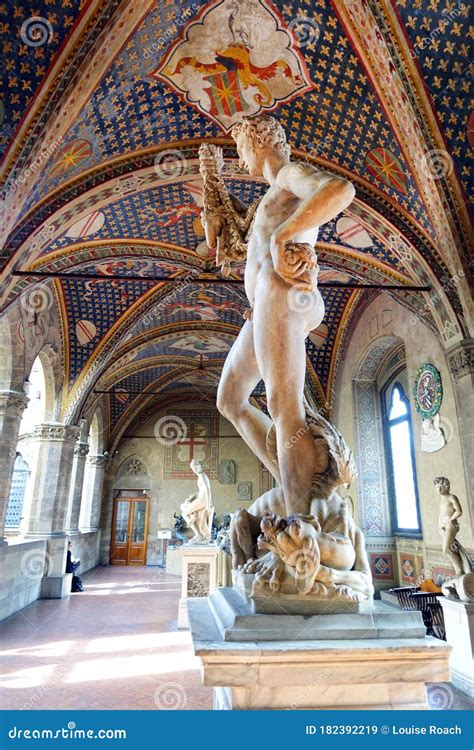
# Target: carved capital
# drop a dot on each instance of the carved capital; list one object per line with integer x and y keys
{"x": 99, "y": 460}
{"x": 57, "y": 432}
{"x": 13, "y": 402}
{"x": 81, "y": 449}
{"x": 461, "y": 359}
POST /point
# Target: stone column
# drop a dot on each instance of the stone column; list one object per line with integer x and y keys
{"x": 77, "y": 486}
{"x": 461, "y": 364}
{"x": 94, "y": 490}
{"x": 12, "y": 405}
{"x": 51, "y": 490}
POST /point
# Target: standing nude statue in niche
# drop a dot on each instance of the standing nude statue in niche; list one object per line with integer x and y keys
{"x": 462, "y": 585}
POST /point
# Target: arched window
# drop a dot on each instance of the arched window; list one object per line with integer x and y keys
{"x": 401, "y": 461}
{"x": 35, "y": 388}
{"x": 26, "y": 464}
{"x": 21, "y": 471}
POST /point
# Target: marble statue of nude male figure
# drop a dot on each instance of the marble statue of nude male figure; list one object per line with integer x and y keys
{"x": 271, "y": 345}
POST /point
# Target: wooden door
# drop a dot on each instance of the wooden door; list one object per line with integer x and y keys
{"x": 129, "y": 531}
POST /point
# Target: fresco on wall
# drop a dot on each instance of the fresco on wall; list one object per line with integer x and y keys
{"x": 198, "y": 439}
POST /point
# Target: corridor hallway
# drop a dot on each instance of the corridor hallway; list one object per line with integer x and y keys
{"x": 114, "y": 646}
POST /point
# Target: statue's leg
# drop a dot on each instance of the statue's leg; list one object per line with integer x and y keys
{"x": 244, "y": 531}
{"x": 239, "y": 377}
{"x": 450, "y": 547}
{"x": 279, "y": 334}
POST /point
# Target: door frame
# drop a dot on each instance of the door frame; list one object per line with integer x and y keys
{"x": 131, "y": 502}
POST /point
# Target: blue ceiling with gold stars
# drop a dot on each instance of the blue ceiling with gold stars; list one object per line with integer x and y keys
{"x": 31, "y": 39}
{"x": 441, "y": 39}
{"x": 120, "y": 195}
{"x": 131, "y": 110}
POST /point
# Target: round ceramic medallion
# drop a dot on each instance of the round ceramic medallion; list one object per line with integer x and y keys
{"x": 428, "y": 391}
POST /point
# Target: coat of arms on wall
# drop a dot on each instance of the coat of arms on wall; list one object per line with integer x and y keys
{"x": 427, "y": 396}
{"x": 238, "y": 58}
{"x": 199, "y": 441}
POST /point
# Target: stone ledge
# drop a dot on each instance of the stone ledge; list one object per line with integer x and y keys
{"x": 236, "y": 620}
{"x": 56, "y": 587}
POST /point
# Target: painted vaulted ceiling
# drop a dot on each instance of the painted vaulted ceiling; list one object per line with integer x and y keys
{"x": 103, "y": 109}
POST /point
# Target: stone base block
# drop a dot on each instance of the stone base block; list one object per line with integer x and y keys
{"x": 174, "y": 561}
{"x": 183, "y": 620}
{"x": 352, "y": 696}
{"x": 380, "y": 672}
{"x": 459, "y": 623}
{"x": 239, "y": 619}
{"x": 56, "y": 587}
{"x": 199, "y": 576}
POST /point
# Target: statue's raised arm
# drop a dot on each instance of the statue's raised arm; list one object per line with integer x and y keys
{"x": 226, "y": 220}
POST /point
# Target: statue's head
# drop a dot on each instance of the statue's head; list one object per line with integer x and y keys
{"x": 442, "y": 484}
{"x": 195, "y": 466}
{"x": 254, "y": 137}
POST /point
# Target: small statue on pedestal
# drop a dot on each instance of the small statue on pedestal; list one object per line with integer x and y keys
{"x": 197, "y": 509}
{"x": 462, "y": 585}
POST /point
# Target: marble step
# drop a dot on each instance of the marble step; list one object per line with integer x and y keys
{"x": 236, "y": 620}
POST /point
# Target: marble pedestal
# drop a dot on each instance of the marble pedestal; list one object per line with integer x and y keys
{"x": 369, "y": 660}
{"x": 174, "y": 561}
{"x": 56, "y": 587}
{"x": 459, "y": 623}
{"x": 199, "y": 576}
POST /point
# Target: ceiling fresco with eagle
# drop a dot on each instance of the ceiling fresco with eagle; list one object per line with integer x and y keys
{"x": 103, "y": 109}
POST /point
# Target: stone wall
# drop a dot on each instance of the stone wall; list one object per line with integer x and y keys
{"x": 402, "y": 560}
{"x": 86, "y": 547}
{"x": 149, "y": 456}
{"x": 22, "y": 564}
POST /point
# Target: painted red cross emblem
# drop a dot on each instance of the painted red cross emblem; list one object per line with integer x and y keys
{"x": 192, "y": 440}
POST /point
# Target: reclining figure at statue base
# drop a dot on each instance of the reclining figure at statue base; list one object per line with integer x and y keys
{"x": 320, "y": 554}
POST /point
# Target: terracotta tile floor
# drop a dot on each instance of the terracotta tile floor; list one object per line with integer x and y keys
{"x": 114, "y": 646}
